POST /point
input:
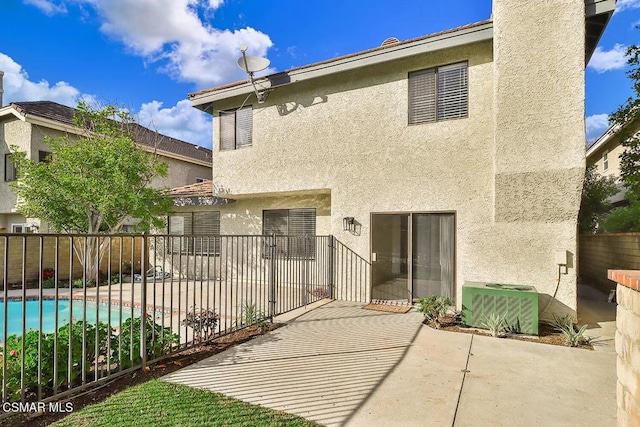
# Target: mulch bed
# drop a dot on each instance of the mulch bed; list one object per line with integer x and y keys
{"x": 546, "y": 334}
{"x": 157, "y": 370}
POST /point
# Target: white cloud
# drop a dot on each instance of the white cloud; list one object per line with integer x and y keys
{"x": 47, "y": 7}
{"x": 597, "y": 124}
{"x": 172, "y": 34}
{"x": 607, "y": 60}
{"x": 18, "y": 87}
{"x": 623, "y": 5}
{"x": 181, "y": 121}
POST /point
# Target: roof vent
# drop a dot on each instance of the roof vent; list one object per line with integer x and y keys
{"x": 390, "y": 40}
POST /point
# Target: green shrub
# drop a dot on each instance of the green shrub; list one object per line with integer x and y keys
{"x": 49, "y": 283}
{"x": 79, "y": 283}
{"x": 159, "y": 341}
{"x": 573, "y": 337}
{"x": 74, "y": 331}
{"x": 434, "y": 307}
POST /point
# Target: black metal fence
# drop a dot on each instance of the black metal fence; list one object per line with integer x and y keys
{"x": 80, "y": 309}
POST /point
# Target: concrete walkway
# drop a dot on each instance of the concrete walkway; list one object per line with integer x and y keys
{"x": 342, "y": 365}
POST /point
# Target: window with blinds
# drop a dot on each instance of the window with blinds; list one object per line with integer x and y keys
{"x": 292, "y": 228}
{"x": 440, "y": 93}
{"x": 199, "y": 233}
{"x": 236, "y": 128}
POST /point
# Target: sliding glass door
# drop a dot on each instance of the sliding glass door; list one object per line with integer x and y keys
{"x": 412, "y": 255}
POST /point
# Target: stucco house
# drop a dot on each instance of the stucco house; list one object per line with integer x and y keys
{"x": 26, "y": 124}
{"x": 605, "y": 153}
{"x": 453, "y": 157}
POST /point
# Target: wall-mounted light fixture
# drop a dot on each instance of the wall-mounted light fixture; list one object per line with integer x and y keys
{"x": 348, "y": 223}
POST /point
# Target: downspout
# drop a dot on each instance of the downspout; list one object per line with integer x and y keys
{"x": 1, "y": 87}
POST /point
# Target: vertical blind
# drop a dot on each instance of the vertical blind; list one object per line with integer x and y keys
{"x": 438, "y": 93}
{"x": 236, "y": 128}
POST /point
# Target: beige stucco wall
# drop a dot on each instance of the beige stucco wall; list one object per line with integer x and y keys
{"x": 539, "y": 140}
{"x": 13, "y": 132}
{"x": 512, "y": 171}
{"x": 349, "y": 133}
{"x": 181, "y": 173}
{"x": 614, "y": 149}
{"x": 244, "y": 216}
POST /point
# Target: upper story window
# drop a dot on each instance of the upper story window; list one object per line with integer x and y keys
{"x": 200, "y": 231}
{"x": 295, "y": 224}
{"x": 605, "y": 160}
{"x": 9, "y": 168}
{"x": 440, "y": 93}
{"x": 236, "y": 128}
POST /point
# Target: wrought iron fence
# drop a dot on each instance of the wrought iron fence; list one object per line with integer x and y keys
{"x": 80, "y": 309}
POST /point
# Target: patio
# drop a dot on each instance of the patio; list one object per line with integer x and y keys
{"x": 340, "y": 365}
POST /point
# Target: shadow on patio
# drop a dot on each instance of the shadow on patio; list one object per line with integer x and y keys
{"x": 323, "y": 366}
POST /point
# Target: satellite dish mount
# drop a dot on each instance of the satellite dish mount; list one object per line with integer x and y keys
{"x": 253, "y": 64}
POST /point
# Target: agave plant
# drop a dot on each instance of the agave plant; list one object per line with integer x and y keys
{"x": 495, "y": 323}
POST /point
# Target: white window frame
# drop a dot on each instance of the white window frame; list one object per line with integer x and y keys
{"x": 20, "y": 228}
{"x": 605, "y": 160}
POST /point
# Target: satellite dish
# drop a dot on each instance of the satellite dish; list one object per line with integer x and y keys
{"x": 252, "y": 64}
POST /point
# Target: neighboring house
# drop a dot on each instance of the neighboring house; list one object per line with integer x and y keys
{"x": 26, "y": 124}
{"x": 605, "y": 153}
{"x": 454, "y": 157}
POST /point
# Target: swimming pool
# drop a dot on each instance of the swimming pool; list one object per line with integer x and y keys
{"x": 14, "y": 314}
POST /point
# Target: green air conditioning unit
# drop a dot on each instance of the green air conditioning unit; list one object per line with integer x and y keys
{"x": 517, "y": 304}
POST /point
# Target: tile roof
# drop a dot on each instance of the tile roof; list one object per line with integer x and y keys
{"x": 351, "y": 55}
{"x": 142, "y": 135}
{"x": 198, "y": 194}
{"x": 199, "y": 189}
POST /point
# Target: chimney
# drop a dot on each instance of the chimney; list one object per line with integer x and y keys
{"x": 1, "y": 89}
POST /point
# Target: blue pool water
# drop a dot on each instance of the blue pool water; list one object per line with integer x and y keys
{"x": 14, "y": 314}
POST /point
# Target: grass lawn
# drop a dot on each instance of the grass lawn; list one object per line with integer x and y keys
{"x": 158, "y": 403}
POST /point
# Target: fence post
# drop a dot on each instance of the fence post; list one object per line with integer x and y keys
{"x": 143, "y": 301}
{"x": 272, "y": 276}
{"x": 331, "y": 266}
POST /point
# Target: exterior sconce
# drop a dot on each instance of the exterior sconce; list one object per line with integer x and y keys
{"x": 348, "y": 223}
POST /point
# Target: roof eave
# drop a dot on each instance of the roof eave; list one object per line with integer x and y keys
{"x": 448, "y": 40}
{"x": 598, "y": 13}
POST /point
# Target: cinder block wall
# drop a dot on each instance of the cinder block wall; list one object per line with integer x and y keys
{"x": 628, "y": 346}
{"x": 601, "y": 252}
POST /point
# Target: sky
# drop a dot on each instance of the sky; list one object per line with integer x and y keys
{"x": 147, "y": 55}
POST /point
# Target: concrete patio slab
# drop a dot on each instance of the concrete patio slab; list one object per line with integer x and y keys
{"x": 514, "y": 382}
{"x": 342, "y": 365}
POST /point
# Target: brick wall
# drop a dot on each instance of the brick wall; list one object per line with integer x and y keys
{"x": 29, "y": 259}
{"x": 628, "y": 346}
{"x": 598, "y": 253}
